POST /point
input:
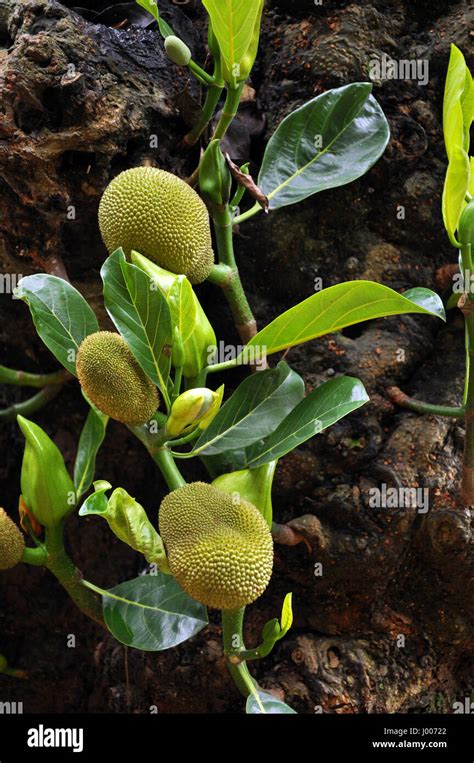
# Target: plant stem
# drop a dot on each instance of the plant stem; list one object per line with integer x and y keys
{"x": 466, "y": 304}
{"x": 165, "y": 461}
{"x": 177, "y": 383}
{"x": 33, "y": 404}
{"x": 59, "y": 563}
{"x": 208, "y": 109}
{"x": 229, "y": 111}
{"x": 232, "y": 286}
{"x": 187, "y": 438}
{"x": 232, "y": 633}
{"x": 200, "y": 74}
{"x": 411, "y": 404}
{"x": 25, "y": 379}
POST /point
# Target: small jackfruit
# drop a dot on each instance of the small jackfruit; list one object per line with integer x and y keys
{"x": 177, "y": 50}
{"x": 113, "y": 380}
{"x": 12, "y": 543}
{"x": 219, "y": 547}
{"x": 160, "y": 216}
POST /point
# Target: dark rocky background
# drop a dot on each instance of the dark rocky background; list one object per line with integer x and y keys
{"x": 64, "y": 133}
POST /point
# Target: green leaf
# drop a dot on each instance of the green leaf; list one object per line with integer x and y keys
{"x": 92, "y": 437}
{"x": 456, "y": 185}
{"x": 151, "y": 613}
{"x": 233, "y": 23}
{"x": 336, "y": 307}
{"x": 320, "y": 409}
{"x": 328, "y": 142}
{"x": 141, "y": 314}
{"x": 454, "y": 127}
{"x": 257, "y": 406}
{"x": 286, "y": 615}
{"x": 60, "y": 313}
{"x": 152, "y": 7}
{"x": 467, "y": 105}
{"x": 254, "y": 485}
{"x": 128, "y": 521}
{"x": 261, "y": 702}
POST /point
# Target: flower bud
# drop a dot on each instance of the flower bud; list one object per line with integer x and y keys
{"x": 196, "y": 407}
{"x": 177, "y": 51}
{"x": 46, "y": 486}
{"x": 215, "y": 179}
{"x": 466, "y": 225}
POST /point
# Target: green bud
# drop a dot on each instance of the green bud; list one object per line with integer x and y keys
{"x": 177, "y": 51}
{"x": 195, "y": 407}
{"x": 47, "y": 489}
{"x": 215, "y": 180}
{"x": 466, "y": 225}
{"x": 195, "y": 331}
{"x": 128, "y": 521}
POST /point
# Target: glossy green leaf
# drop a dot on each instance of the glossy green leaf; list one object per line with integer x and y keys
{"x": 286, "y": 620}
{"x": 467, "y": 105}
{"x": 336, "y": 307}
{"x": 328, "y": 142}
{"x": 128, "y": 521}
{"x": 152, "y": 7}
{"x": 320, "y": 409}
{"x": 263, "y": 703}
{"x": 151, "y": 613}
{"x": 92, "y": 437}
{"x": 233, "y": 23}
{"x": 254, "y": 485}
{"x": 257, "y": 406}
{"x": 453, "y": 116}
{"x": 456, "y": 184}
{"x": 60, "y": 313}
{"x": 141, "y": 314}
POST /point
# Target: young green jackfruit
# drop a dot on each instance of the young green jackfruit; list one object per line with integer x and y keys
{"x": 113, "y": 380}
{"x": 12, "y": 543}
{"x": 177, "y": 50}
{"x": 219, "y": 547}
{"x": 160, "y": 216}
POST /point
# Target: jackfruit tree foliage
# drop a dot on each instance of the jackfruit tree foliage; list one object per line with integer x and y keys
{"x": 210, "y": 544}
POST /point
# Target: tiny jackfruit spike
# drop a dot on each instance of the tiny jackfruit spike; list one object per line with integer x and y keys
{"x": 177, "y": 51}
{"x": 466, "y": 225}
{"x": 219, "y": 547}
{"x": 113, "y": 379}
{"x": 47, "y": 489}
{"x": 190, "y": 408}
{"x": 160, "y": 216}
{"x": 12, "y": 543}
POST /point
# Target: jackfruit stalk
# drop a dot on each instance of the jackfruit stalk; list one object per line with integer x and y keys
{"x": 113, "y": 380}
{"x": 159, "y": 215}
{"x": 219, "y": 547}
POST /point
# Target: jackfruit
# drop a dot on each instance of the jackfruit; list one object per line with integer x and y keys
{"x": 113, "y": 380}
{"x": 12, "y": 543}
{"x": 219, "y": 547}
{"x": 160, "y": 216}
{"x": 177, "y": 50}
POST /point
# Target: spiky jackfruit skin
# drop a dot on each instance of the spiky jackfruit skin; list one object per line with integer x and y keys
{"x": 113, "y": 380}
{"x": 159, "y": 215}
{"x": 219, "y": 549}
{"x": 12, "y": 543}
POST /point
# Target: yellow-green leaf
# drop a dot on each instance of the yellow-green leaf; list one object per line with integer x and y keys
{"x": 233, "y": 23}
{"x": 456, "y": 184}
{"x": 453, "y": 118}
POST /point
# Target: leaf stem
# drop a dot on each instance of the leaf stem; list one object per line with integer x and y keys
{"x": 248, "y": 214}
{"x": 165, "y": 462}
{"x": 418, "y": 406}
{"x": 229, "y": 111}
{"x": 33, "y": 404}
{"x": 210, "y": 104}
{"x": 26, "y": 379}
{"x": 35, "y": 556}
